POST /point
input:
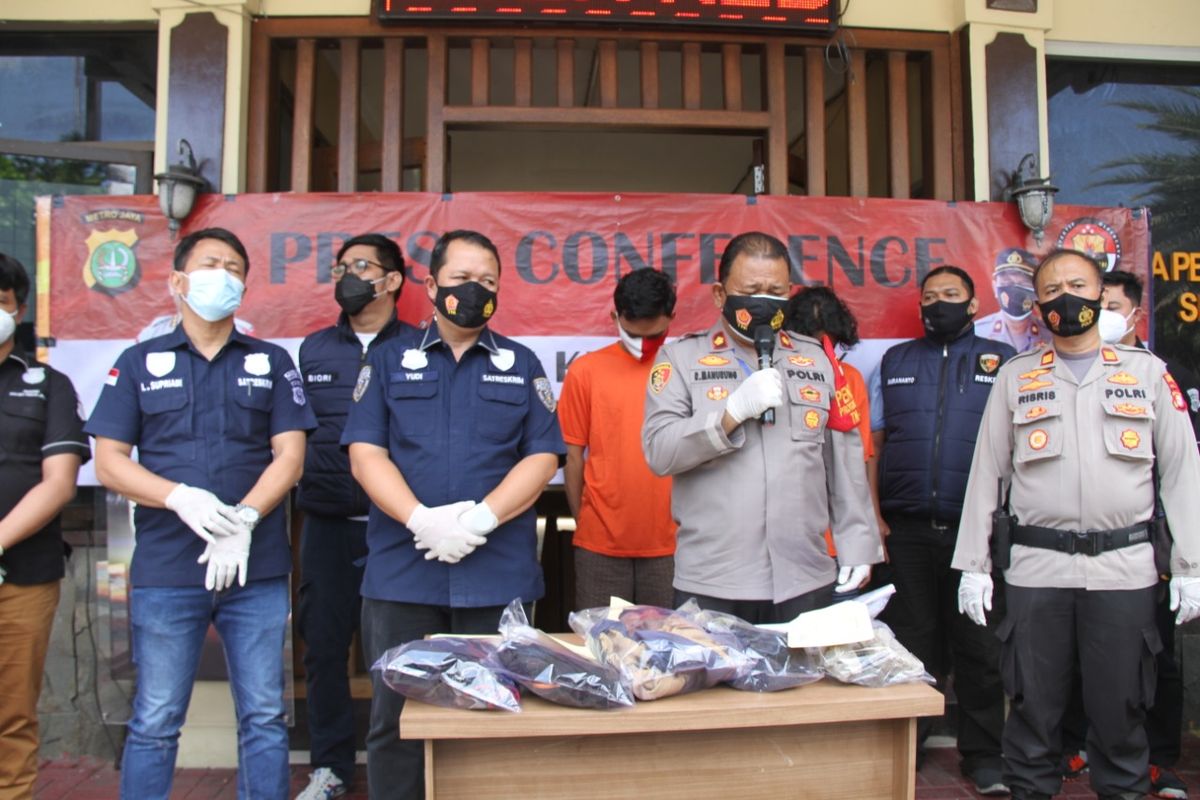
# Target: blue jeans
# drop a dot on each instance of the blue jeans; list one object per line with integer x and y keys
{"x": 169, "y": 624}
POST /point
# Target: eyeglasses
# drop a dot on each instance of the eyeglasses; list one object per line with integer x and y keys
{"x": 358, "y": 266}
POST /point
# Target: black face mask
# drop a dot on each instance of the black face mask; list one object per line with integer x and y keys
{"x": 944, "y": 320}
{"x": 468, "y": 305}
{"x": 354, "y": 294}
{"x": 744, "y": 313}
{"x": 1016, "y": 301}
{"x": 1070, "y": 315}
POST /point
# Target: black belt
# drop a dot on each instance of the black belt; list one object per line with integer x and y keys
{"x": 1089, "y": 543}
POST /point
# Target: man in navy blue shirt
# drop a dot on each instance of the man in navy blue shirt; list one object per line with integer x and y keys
{"x": 453, "y": 435}
{"x": 368, "y": 277}
{"x": 219, "y": 422}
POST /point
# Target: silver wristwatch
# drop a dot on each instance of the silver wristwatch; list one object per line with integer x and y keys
{"x": 247, "y": 514}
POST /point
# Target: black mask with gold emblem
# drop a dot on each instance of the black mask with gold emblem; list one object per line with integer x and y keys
{"x": 468, "y": 305}
{"x": 744, "y": 313}
{"x": 1070, "y": 315}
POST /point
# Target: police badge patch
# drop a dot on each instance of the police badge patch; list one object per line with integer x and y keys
{"x": 364, "y": 380}
{"x": 293, "y": 377}
{"x": 988, "y": 362}
{"x": 545, "y": 393}
{"x": 257, "y": 364}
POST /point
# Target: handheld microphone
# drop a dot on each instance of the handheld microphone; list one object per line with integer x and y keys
{"x": 764, "y": 346}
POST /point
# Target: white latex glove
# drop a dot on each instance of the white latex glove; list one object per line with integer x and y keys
{"x": 975, "y": 596}
{"x": 203, "y": 512}
{"x": 851, "y": 578}
{"x": 227, "y": 558}
{"x": 438, "y": 530}
{"x": 479, "y": 519}
{"x": 1185, "y": 598}
{"x": 762, "y": 390}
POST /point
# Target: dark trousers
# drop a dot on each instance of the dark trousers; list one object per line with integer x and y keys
{"x": 1112, "y": 638}
{"x": 396, "y": 767}
{"x": 641, "y": 581}
{"x": 924, "y": 616}
{"x": 1164, "y": 720}
{"x": 759, "y": 612}
{"x": 327, "y": 615}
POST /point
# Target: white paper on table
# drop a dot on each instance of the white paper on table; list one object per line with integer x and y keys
{"x": 844, "y": 623}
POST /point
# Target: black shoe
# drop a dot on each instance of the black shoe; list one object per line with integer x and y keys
{"x": 1074, "y": 765}
{"x": 1165, "y": 783}
{"x": 988, "y": 781}
{"x": 1027, "y": 794}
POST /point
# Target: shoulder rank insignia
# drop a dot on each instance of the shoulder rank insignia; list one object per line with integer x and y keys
{"x": 1176, "y": 395}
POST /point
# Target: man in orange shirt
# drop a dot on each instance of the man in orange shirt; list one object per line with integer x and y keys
{"x": 624, "y": 533}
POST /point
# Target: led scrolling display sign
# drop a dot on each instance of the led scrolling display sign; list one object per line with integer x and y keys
{"x": 809, "y": 16}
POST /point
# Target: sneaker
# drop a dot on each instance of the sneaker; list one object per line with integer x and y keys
{"x": 988, "y": 782}
{"x": 1074, "y": 765}
{"x": 322, "y": 785}
{"x": 1165, "y": 783}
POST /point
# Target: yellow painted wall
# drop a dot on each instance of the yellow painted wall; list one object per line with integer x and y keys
{"x": 1172, "y": 23}
{"x": 79, "y": 11}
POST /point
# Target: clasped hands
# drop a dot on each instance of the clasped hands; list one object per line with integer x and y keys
{"x": 227, "y": 552}
{"x": 451, "y": 532}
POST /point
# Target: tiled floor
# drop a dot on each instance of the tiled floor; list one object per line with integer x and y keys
{"x": 91, "y": 779}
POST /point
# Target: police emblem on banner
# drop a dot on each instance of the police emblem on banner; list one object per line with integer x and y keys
{"x": 111, "y": 266}
{"x": 545, "y": 393}
{"x": 1096, "y": 238}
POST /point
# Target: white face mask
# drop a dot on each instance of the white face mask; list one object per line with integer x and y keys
{"x": 214, "y": 294}
{"x": 1113, "y": 325}
{"x": 633, "y": 344}
{"x": 8, "y": 325}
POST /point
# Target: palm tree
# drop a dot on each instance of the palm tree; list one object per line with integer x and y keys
{"x": 1170, "y": 185}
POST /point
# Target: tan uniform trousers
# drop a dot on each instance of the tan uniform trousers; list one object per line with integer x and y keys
{"x": 26, "y": 616}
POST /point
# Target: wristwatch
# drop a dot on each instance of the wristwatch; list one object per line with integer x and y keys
{"x": 247, "y": 514}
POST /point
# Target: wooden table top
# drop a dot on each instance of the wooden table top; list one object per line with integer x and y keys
{"x": 717, "y": 708}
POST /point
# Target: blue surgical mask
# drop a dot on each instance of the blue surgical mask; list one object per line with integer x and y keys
{"x": 214, "y": 294}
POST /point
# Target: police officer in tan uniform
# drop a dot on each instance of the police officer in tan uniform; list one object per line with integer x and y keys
{"x": 1072, "y": 431}
{"x": 1015, "y": 324}
{"x": 753, "y": 500}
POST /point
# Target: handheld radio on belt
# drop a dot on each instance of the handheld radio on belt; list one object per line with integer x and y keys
{"x": 1002, "y": 528}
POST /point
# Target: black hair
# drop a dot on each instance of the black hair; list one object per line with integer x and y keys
{"x": 1130, "y": 284}
{"x": 390, "y": 257}
{"x": 188, "y": 243}
{"x": 752, "y": 243}
{"x": 644, "y": 294}
{"x": 1063, "y": 252}
{"x": 958, "y": 272}
{"x": 438, "y": 256}
{"x": 817, "y": 309}
{"x": 14, "y": 277}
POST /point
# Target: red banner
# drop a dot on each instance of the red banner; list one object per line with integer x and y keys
{"x": 562, "y": 253}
